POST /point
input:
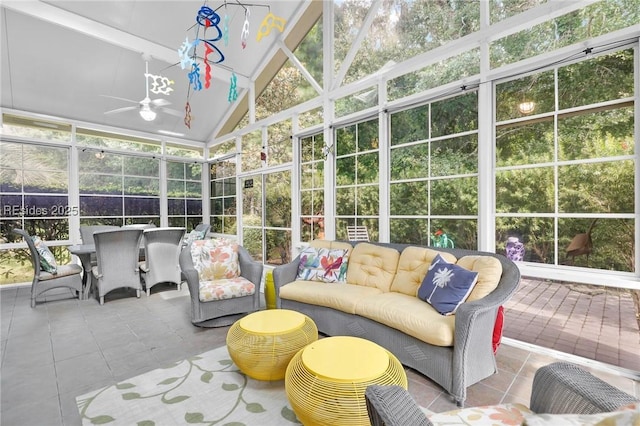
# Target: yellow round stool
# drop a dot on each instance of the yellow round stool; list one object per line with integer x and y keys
{"x": 325, "y": 382}
{"x": 262, "y": 343}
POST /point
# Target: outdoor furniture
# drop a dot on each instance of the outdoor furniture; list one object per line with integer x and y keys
{"x": 162, "y": 249}
{"x": 65, "y": 276}
{"x": 117, "y": 253}
{"x": 262, "y": 343}
{"x": 558, "y": 388}
{"x": 220, "y": 295}
{"x": 326, "y": 381}
{"x": 86, "y": 233}
{"x": 357, "y": 233}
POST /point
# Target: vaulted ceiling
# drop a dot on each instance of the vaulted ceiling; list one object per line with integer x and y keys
{"x": 74, "y": 59}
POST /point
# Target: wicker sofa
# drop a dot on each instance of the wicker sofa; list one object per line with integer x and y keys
{"x": 558, "y": 389}
{"x": 454, "y": 351}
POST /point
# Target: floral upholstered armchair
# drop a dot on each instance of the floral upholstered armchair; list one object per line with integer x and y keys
{"x": 223, "y": 280}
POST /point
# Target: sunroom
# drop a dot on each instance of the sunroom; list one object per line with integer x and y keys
{"x": 478, "y": 123}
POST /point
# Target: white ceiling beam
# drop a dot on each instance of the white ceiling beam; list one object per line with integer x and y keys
{"x": 47, "y": 12}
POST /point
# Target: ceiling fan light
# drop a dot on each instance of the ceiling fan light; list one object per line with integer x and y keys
{"x": 147, "y": 114}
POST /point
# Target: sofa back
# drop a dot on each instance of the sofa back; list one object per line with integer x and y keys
{"x": 498, "y": 277}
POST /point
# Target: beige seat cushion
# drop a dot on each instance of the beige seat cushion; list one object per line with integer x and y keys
{"x": 489, "y": 271}
{"x": 409, "y": 315}
{"x": 412, "y": 268}
{"x": 372, "y": 266}
{"x": 339, "y": 296}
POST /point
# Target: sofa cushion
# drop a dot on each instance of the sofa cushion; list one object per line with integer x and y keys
{"x": 489, "y": 271}
{"x": 491, "y": 415}
{"x": 446, "y": 285}
{"x": 372, "y": 266}
{"x": 410, "y": 315}
{"x": 215, "y": 259}
{"x": 323, "y": 264}
{"x": 412, "y": 268}
{"x": 615, "y": 418}
{"x": 342, "y": 297}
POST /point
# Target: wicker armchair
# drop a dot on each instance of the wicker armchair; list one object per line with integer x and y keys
{"x": 228, "y": 307}
{"x": 558, "y": 388}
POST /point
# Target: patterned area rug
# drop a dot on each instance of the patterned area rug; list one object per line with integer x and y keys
{"x": 205, "y": 389}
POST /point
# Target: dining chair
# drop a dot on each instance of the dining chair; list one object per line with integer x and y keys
{"x": 68, "y": 275}
{"x": 86, "y": 233}
{"x": 162, "y": 249}
{"x": 117, "y": 252}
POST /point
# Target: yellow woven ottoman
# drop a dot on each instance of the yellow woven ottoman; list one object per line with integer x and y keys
{"x": 262, "y": 343}
{"x": 325, "y": 381}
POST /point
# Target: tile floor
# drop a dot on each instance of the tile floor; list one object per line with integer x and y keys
{"x": 65, "y": 347}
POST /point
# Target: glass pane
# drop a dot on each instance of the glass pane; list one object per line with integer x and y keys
{"x": 46, "y": 182}
{"x": 596, "y": 187}
{"x": 454, "y": 115}
{"x": 368, "y": 201}
{"x": 193, "y": 189}
{"x": 525, "y": 190}
{"x": 368, "y": 168}
{"x": 596, "y": 134}
{"x": 461, "y": 233}
{"x": 252, "y": 201}
{"x": 345, "y": 201}
{"x": 527, "y": 142}
{"x": 410, "y": 231}
{"x": 89, "y": 163}
{"x": 229, "y": 205}
{"x": 175, "y": 188}
{"x": 410, "y": 125}
{"x": 346, "y": 140}
{"x": 140, "y": 206}
{"x": 252, "y": 241}
{"x": 101, "y": 206}
{"x": 454, "y": 196}
{"x": 346, "y": 171}
{"x": 100, "y": 184}
{"x": 278, "y": 246}
{"x": 176, "y": 207}
{"x": 537, "y": 235}
{"x": 596, "y": 80}
{"x": 193, "y": 172}
{"x": 454, "y": 156}
{"x": 41, "y": 205}
{"x": 525, "y": 96}
{"x": 175, "y": 170}
{"x": 194, "y": 208}
{"x": 251, "y": 149}
{"x": 140, "y": 166}
{"x": 141, "y": 186}
{"x": 278, "y": 199}
{"x": 409, "y": 199}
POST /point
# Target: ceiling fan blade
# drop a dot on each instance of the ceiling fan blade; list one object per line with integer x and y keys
{"x": 120, "y": 99}
{"x": 160, "y": 102}
{"x": 117, "y": 110}
{"x": 172, "y": 112}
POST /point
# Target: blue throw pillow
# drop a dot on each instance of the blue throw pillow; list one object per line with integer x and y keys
{"x": 446, "y": 285}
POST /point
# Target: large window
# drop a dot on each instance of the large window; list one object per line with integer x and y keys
{"x": 357, "y": 178}
{"x": 118, "y": 189}
{"x": 34, "y": 185}
{"x": 184, "y": 194}
{"x": 565, "y": 156}
{"x": 312, "y": 156}
{"x": 434, "y": 173}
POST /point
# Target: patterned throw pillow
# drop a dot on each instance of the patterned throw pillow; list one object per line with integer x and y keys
{"x": 47, "y": 261}
{"x": 215, "y": 259}
{"x": 323, "y": 264}
{"x": 446, "y": 285}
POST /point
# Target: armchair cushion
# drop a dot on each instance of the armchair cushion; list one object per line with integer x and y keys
{"x": 225, "y": 289}
{"x": 322, "y": 264}
{"x": 491, "y": 415}
{"x": 629, "y": 415}
{"x": 215, "y": 259}
{"x": 47, "y": 260}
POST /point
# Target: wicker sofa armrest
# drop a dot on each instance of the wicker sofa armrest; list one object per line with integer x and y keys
{"x": 284, "y": 274}
{"x": 393, "y": 406}
{"x": 189, "y": 272}
{"x": 563, "y": 388}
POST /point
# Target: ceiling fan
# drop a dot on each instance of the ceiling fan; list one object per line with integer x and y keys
{"x": 147, "y": 107}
